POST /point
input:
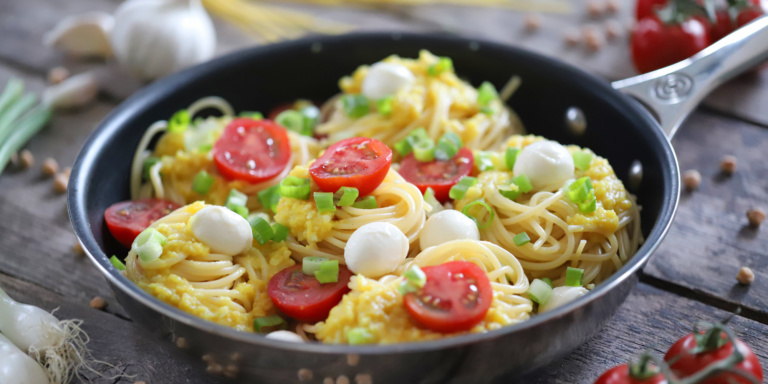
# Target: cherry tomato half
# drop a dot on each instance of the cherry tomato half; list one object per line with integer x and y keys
{"x": 656, "y": 45}
{"x": 620, "y": 375}
{"x": 304, "y": 298}
{"x": 252, "y": 150}
{"x": 127, "y": 219}
{"x": 455, "y": 298}
{"x": 684, "y": 362}
{"x": 440, "y": 175}
{"x": 358, "y": 162}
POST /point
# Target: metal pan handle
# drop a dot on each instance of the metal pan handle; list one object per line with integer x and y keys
{"x": 671, "y": 93}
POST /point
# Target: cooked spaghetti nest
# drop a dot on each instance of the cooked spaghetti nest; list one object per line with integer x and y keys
{"x": 441, "y": 103}
{"x": 378, "y": 306}
{"x": 313, "y": 233}
{"x": 229, "y": 290}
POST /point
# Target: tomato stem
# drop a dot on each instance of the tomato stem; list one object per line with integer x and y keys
{"x": 725, "y": 365}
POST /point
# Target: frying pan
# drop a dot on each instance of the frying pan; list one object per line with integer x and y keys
{"x": 618, "y": 128}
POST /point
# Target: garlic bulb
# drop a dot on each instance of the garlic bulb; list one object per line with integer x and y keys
{"x": 84, "y": 35}
{"x": 154, "y": 38}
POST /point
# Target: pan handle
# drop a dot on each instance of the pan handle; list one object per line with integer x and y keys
{"x": 671, "y": 93}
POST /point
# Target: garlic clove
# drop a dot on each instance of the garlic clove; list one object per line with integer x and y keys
{"x": 73, "y": 92}
{"x": 86, "y": 35}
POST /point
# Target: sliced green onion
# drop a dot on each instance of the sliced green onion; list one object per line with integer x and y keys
{"x": 445, "y": 64}
{"x": 346, "y": 196}
{"x": 328, "y": 272}
{"x": 262, "y": 231}
{"x": 384, "y": 106}
{"x": 369, "y": 202}
{"x": 582, "y": 159}
{"x": 403, "y": 147}
{"x": 539, "y": 291}
{"x": 149, "y": 162}
{"x": 203, "y": 182}
{"x": 291, "y": 120}
{"x": 269, "y": 198}
{"x": 240, "y": 210}
{"x": 523, "y": 183}
{"x": 484, "y": 161}
{"x": 573, "y": 277}
{"x": 359, "y": 335}
{"x": 460, "y": 189}
{"x": 280, "y": 231}
{"x": 510, "y": 157}
{"x": 431, "y": 201}
{"x": 252, "y": 115}
{"x": 149, "y": 245}
{"x": 312, "y": 264}
{"x": 486, "y": 93}
{"x": 521, "y": 239}
{"x": 424, "y": 150}
{"x": 487, "y": 111}
{"x": 413, "y": 281}
{"x": 578, "y": 191}
{"x": 12, "y": 91}
{"x": 447, "y": 147}
{"x": 547, "y": 280}
{"x": 236, "y": 198}
{"x": 295, "y": 187}
{"x": 269, "y": 323}
{"x": 324, "y": 202}
{"x": 205, "y": 148}
{"x": 117, "y": 263}
{"x": 355, "y": 105}
{"x": 590, "y": 205}
{"x": 511, "y": 191}
{"x": 179, "y": 122}
{"x": 482, "y": 204}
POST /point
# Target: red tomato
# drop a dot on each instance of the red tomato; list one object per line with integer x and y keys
{"x": 722, "y": 27}
{"x": 358, "y": 162}
{"x": 252, "y": 150}
{"x": 438, "y": 174}
{"x": 127, "y": 219}
{"x": 304, "y": 298}
{"x": 456, "y": 297}
{"x": 646, "y": 8}
{"x": 685, "y": 363}
{"x": 747, "y": 15}
{"x": 655, "y": 45}
{"x": 620, "y": 375}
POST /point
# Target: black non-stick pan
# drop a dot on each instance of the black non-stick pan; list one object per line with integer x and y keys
{"x": 618, "y": 128}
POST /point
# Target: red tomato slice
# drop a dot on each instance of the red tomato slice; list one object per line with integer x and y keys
{"x": 620, "y": 375}
{"x": 252, "y": 150}
{"x": 456, "y": 297}
{"x": 684, "y": 362}
{"x": 127, "y": 219}
{"x": 440, "y": 175}
{"x": 358, "y": 162}
{"x": 304, "y": 298}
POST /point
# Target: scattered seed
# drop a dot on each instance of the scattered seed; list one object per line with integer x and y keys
{"x": 208, "y": 358}
{"x": 745, "y": 276}
{"x": 98, "y": 303}
{"x": 182, "y": 343}
{"x": 50, "y": 167}
{"x": 57, "y": 75}
{"x": 231, "y": 371}
{"x": 532, "y": 22}
{"x": 756, "y": 216}
{"x": 78, "y": 249}
{"x": 691, "y": 179}
{"x": 728, "y": 164}
{"x": 613, "y": 29}
{"x": 353, "y": 359}
{"x": 60, "y": 183}
{"x": 67, "y": 171}
{"x": 595, "y": 8}
{"x": 613, "y": 6}
{"x": 305, "y": 374}
{"x": 235, "y": 356}
{"x": 572, "y": 37}
{"x": 593, "y": 39}
{"x": 363, "y": 378}
{"x": 26, "y": 159}
{"x": 342, "y": 380}
{"x": 329, "y": 380}
{"x": 214, "y": 369}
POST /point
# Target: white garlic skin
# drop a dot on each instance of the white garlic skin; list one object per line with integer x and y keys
{"x": 562, "y": 296}
{"x": 547, "y": 164}
{"x": 445, "y": 226}
{"x": 222, "y": 230}
{"x": 154, "y": 38}
{"x": 76, "y": 91}
{"x": 385, "y": 79}
{"x": 86, "y": 35}
{"x": 375, "y": 249}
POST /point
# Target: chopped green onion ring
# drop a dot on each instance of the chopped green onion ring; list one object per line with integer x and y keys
{"x": 486, "y": 93}
{"x": 369, "y": 202}
{"x": 280, "y": 231}
{"x": 523, "y": 183}
{"x": 149, "y": 245}
{"x": 482, "y": 204}
{"x": 179, "y": 122}
{"x": 484, "y": 161}
{"x": 443, "y": 65}
{"x": 269, "y": 198}
{"x": 539, "y": 291}
{"x": 262, "y": 231}
{"x": 295, "y": 187}
{"x": 424, "y": 150}
{"x": 359, "y": 335}
{"x": 268, "y": 324}
{"x": 117, "y": 263}
{"x": 582, "y": 160}
{"x": 573, "y": 277}
{"x": 384, "y": 106}
{"x": 312, "y": 264}
{"x": 202, "y": 182}
{"x": 522, "y": 239}
{"x": 346, "y": 196}
{"x": 432, "y": 202}
{"x": 324, "y": 202}
{"x": 328, "y": 272}
{"x": 460, "y": 189}
{"x": 355, "y": 106}
{"x": 510, "y": 157}
{"x": 547, "y": 280}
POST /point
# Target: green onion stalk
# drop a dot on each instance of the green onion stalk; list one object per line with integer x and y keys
{"x": 20, "y": 119}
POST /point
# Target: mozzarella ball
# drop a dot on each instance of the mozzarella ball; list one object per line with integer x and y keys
{"x": 222, "y": 230}
{"x": 384, "y": 79}
{"x": 445, "y": 226}
{"x": 375, "y": 249}
{"x": 562, "y": 296}
{"x": 546, "y": 163}
{"x": 285, "y": 336}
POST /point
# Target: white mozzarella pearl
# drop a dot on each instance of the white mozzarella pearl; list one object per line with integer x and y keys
{"x": 285, "y": 336}
{"x": 445, "y": 226}
{"x": 222, "y": 230}
{"x": 384, "y": 79}
{"x": 546, "y": 163}
{"x": 562, "y": 296}
{"x": 375, "y": 249}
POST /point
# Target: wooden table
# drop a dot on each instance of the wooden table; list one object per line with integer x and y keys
{"x": 691, "y": 277}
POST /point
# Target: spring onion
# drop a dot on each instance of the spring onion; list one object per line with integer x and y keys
{"x": 205, "y": 148}
{"x": 460, "y": 189}
{"x": 582, "y": 193}
{"x": 359, "y": 335}
{"x": 240, "y": 210}
{"x": 573, "y": 277}
{"x": 479, "y": 203}
{"x": 262, "y": 231}
{"x": 487, "y": 110}
{"x": 539, "y": 291}
{"x": 252, "y": 115}
{"x": 522, "y": 239}
{"x": 311, "y": 264}
{"x": 510, "y": 191}
{"x": 117, "y": 263}
{"x": 547, "y": 280}
{"x": 484, "y": 161}
{"x": 295, "y": 187}
{"x": 582, "y": 159}
{"x": 202, "y": 182}
{"x": 384, "y": 106}
{"x": 236, "y": 201}
{"x": 149, "y": 245}
{"x": 523, "y": 183}
{"x": 369, "y": 202}
{"x": 486, "y": 93}
{"x": 179, "y": 122}
{"x": 445, "y": 64}
{"x": 291, "y": 120}
{"x": 414, "y": 278}
{"x": 324, "y": 202}
{"x": 18, "y": 123}
{"x": 403, "y": 147}
{"x": 268, "y": 324}
{"x": 590, "y": 205}
{"x": 328, "y": 272}
{"x": 448, "y": 146}
{"x": 149, "y": 162}
{"x": 433, "y": 204}
{"x": 424, "y": 150}
{"x": 280, "y": 231}
{"x": 355, "y": 106}
{"x": 346, "y": 196}
{"x": 510, "y": 157}
{"x": 270, "y": 197}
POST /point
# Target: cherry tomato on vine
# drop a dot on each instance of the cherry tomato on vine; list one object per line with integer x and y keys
{"x": 686, "y": 361}
{"x": 656, "y": 45}
{"x": 646, "y": 8}
{"x": 747, "y": 15}
{"x": 621, "y": 375}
